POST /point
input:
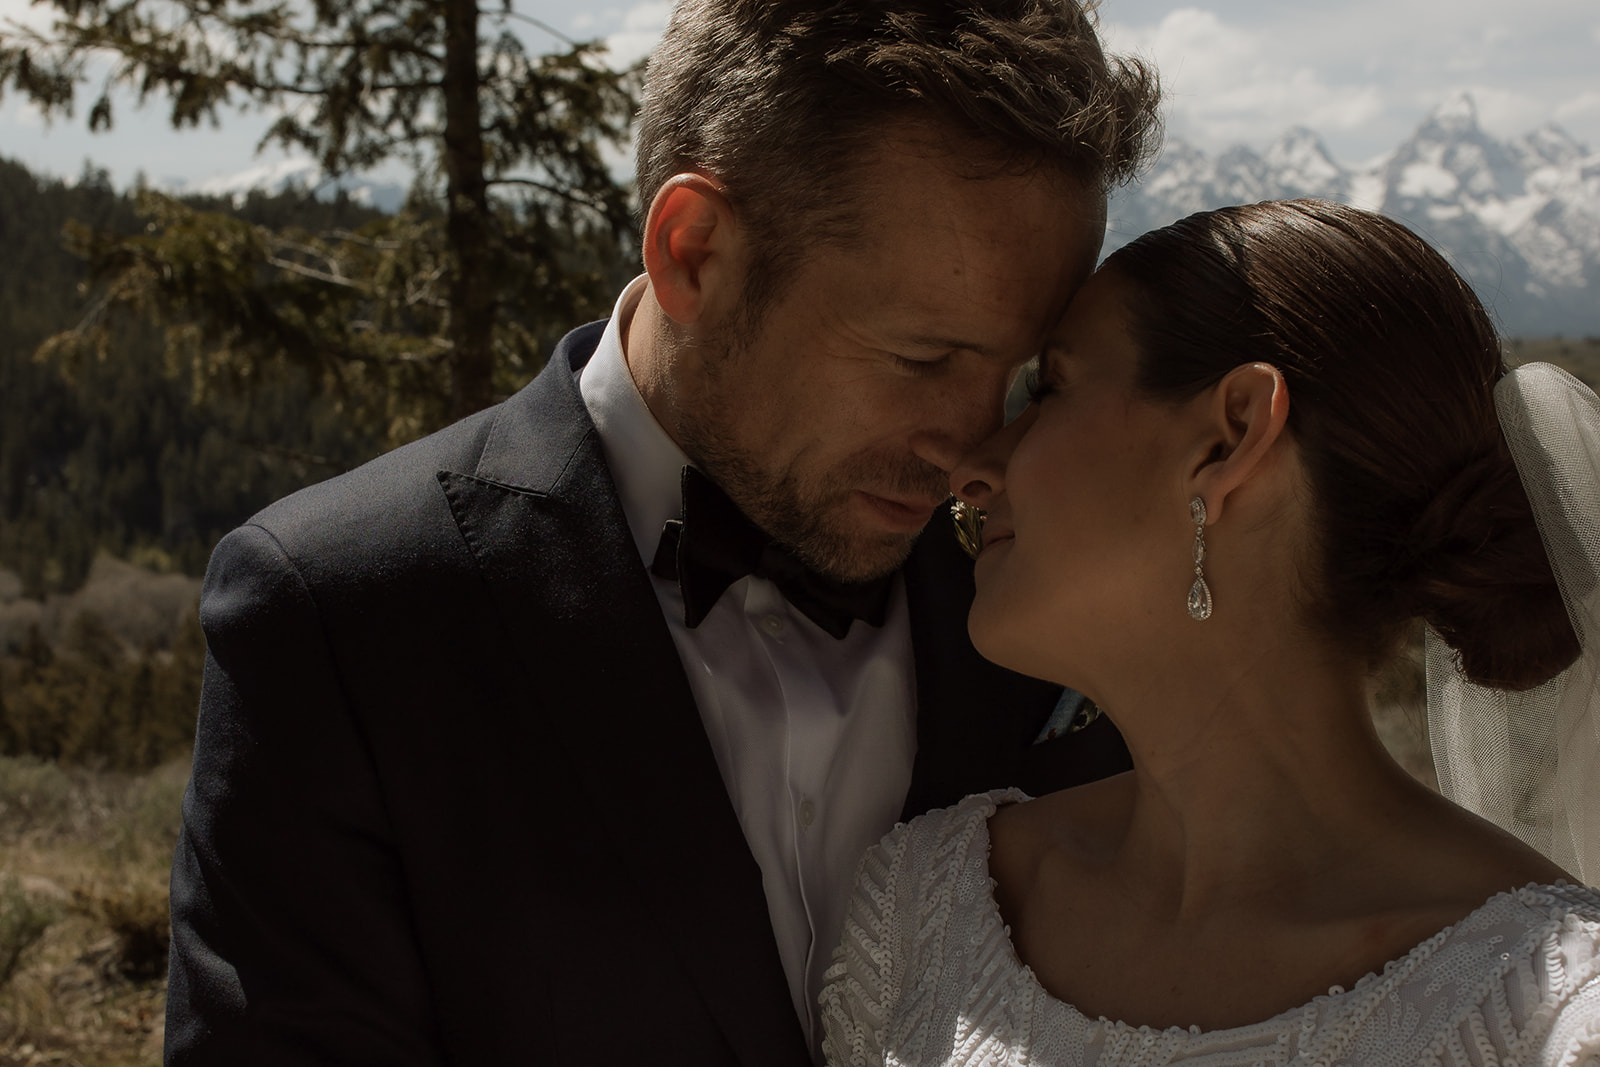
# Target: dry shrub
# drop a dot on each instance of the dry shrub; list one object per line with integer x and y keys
{"x": 139, "y": 919}
{"x": 23, "y": 921}
{"x": 35, "y": 797}
{"x": 143, "y": 828}
{"x": 123, "y": 818}
{"x": 142, "y": 608}
{"x": 92, "y": 701}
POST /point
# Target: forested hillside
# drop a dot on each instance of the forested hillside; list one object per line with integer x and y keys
{"x": 116, "y": 456}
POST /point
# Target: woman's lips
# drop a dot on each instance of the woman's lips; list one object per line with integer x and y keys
{"x": 993, "y": 536}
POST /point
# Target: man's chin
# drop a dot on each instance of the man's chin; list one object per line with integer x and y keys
{"x": 850, "y": 539}
{"x": 862, "y": 556}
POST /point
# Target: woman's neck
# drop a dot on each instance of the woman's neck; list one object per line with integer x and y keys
{"x": 1254, "y": 775}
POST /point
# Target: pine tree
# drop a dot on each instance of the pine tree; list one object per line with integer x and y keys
{"x": 515, "y": 229}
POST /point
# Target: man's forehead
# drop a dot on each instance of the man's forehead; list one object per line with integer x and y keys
{"x": 910, "y": 152}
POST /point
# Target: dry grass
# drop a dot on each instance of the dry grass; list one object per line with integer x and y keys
{"x": 91, "y": 849}
{"x": 1578, "y": 355}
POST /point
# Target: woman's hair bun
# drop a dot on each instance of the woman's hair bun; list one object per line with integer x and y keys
{"x": 1481, "y": 579}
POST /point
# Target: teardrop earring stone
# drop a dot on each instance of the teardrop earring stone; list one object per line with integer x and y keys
{"x": 1199, "y": 600}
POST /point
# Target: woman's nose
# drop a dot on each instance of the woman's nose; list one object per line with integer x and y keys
{"x": 979, "y": 476}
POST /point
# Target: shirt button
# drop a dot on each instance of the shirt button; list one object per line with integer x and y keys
{"x": 772, "y": 624}
{"x": 808, "y": 813}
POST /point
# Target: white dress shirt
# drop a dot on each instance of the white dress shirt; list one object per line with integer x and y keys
{"x": 814, "y": 736}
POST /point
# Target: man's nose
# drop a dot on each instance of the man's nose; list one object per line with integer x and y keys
{"x": 965, "y": 418}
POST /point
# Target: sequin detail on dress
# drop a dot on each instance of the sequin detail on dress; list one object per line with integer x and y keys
{"x": 926, "y": 976}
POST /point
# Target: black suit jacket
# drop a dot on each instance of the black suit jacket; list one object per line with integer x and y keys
{"x": 452, "y": 800}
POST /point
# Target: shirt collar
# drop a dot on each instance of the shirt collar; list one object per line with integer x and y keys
{"x": 646, "y": 464}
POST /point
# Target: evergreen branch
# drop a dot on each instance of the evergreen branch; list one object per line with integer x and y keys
{"x": 530, "y": 20}
{"x": 311, "y": 272}
{"x": 572, "y": 196}
{"x": 416, "y": 291}
{"x": 351, "y": 237}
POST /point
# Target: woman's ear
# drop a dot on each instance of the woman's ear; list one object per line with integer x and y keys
{"x": 1245, "y": 416}
{"x": 692, "y": 250}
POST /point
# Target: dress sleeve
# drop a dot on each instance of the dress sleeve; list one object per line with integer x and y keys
{"x": 1574, "y": 1039}
{"x": 1569, "y": 1035}
{"x": 862, "y": 985}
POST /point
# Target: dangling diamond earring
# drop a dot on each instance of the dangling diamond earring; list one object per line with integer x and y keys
{"x": 1199, "y": 593}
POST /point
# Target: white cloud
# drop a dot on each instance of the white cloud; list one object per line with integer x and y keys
{"x": 1476, "y": 49}
{"x": 642, "y": 27}
{"x": 1227, "y": 84}
{"x": 1362, "y": 72}
{"x": 23, "y": 13}
{"x": 1586, "y": 105}
{"x": 1505, "y": 112}
{"x": 20, "y": 112}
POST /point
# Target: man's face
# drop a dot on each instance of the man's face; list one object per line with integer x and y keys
{"x": 834, "y": 419}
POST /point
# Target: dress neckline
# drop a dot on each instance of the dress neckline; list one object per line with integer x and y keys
{"x": 1336, "y": 994}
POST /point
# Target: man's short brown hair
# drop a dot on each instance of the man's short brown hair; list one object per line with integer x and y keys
{"x": 779, "y": 98}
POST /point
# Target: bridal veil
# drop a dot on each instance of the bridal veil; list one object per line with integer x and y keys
{"x": 1530, "y": 761}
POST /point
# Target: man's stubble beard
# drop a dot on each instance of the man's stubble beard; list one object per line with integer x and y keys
{"x": 808, "y": 519}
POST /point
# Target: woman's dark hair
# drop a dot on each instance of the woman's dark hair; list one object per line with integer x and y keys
{"x": 1391, "y": 364}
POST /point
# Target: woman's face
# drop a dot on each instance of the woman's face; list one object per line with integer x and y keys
{"x": 1088, "y": 537}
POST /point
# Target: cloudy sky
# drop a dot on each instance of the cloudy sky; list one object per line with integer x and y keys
{"x": 1361, "y": 72}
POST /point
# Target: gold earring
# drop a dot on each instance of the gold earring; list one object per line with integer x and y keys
{"x": 968, "y": 519}
{"x": 1199, "y": 603}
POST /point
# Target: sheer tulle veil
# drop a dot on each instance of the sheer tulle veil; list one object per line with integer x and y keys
{"x": 1530, "y": 761}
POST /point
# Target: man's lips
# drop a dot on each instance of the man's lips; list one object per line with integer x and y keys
{"x": 921, "y": 504}
{"x": 908, "y": 513}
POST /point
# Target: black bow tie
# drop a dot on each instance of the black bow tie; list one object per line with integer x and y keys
{"x": 714, "y": 545}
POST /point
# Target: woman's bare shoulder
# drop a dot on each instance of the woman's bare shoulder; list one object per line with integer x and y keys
{"x": 1085, "y": 822}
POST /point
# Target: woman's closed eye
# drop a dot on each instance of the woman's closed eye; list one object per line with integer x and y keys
{"x": 1037, "y": 385}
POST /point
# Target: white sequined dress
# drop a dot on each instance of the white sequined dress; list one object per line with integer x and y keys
{"x": 926, "y": 976}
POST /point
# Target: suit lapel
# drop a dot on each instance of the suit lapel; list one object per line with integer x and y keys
{"x": 542, "y": 518}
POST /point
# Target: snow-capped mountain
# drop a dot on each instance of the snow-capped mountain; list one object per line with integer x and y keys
{"x": 290, "y": 173}
{"x": 1521, "y": 219}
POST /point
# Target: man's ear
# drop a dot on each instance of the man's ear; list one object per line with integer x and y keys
{"x": 692, "y": 250}
{"x": 1245, "y": 415}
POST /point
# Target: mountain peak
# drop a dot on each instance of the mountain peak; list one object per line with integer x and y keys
{"x": 1520, "y": 217}
{"x": 1458, "y": 114}
{"x": 1552, "y": 144}
{"x": 1303, "y": 165}
{"x": 295, "y": 172}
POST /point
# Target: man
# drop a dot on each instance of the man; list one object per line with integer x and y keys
{"x": 501, "y": 762}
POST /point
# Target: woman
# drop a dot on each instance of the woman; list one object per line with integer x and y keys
{"x": 1263, "y": 441}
